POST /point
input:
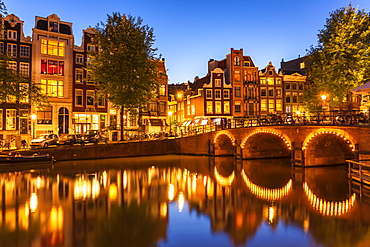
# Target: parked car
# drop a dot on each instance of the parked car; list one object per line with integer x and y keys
{"x": 44, "y": 140}
{"x": 71, "y": 139}
{"x": 95, "y": 136}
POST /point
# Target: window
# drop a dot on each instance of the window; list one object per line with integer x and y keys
{"x": 294, "y": 86}
{"x": 52, "y": 67}
{"x": 301, "y": 86}
{"x": 88, "y": 77}
{"x": 270, "y": 81}
{"x": 217, "y": 82}
{"x": 263, "y": 80}
{"x": 79, "y": 75}
{"x": 295, "y": 97}
{"x": 209, "y": 107}
{"x": 52, "y": 47}
{"x": 278, "y": 92}
{"x": 238, "y": 108}
{"x": 287, "y": 85}
{"x": 226, "y": 94}
{"x": 263, "y": 91}
{"x": 192, "y": 109}
{"x": 52, "y": 88}
{"x": 79, "y": 58}
{"x": 25, "y": 51}
{"x": 270, "y": 72}
{"x": 24, "y": 87}
{"x": 226, "y": 107}
{"x": 53, "y": 26}
{"x": 90, "y": 95}
{"x": 218, "y": 107}
{"x": 279, "y": 105}
{"x": 278, "y": 81}
{"x": 236, "y": 61}
{"x": 162, "y": 90}
{"x": 12, "y": 65}
{"x": 237, "y": 92}
{"x": 78, "y": 97}
{"x": 237, "y": 75}
{"x": 217, "y": 94}
{"x": 271, "y": 105}
{"x": 300, "y": 98}
{"x": 287, "y": 98}
{"x": 11, "y": 119}
{"x": 44, "y": 116}
{"x": 263, "y": 104}
{"x": 209, "y": 93}
{"x": 246, "y": 64}
{"x": 271, "y": 92}
{"x": 2, "y": 47}
{"x": 12, "y": 35}
{"x": 90, "y": 48}
{"x": 1, "y": 119}
{"x": 24, "y": 69}
{"x": 12, "y": 50}
{"x": 162, "y": 107}
{"x": 302, "y": 65}
{"x": 101, "y": 101}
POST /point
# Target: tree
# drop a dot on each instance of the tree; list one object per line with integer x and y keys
{"x": 341, "y": 60}
{"x": 124, "y": 67}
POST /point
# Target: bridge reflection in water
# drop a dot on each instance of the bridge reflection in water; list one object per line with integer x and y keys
{"x": 142, "y": 202}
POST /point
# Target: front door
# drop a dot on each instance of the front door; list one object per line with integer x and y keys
{"x": 63, "y": 121}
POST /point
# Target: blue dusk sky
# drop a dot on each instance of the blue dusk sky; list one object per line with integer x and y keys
{"x": 189, "y": 33}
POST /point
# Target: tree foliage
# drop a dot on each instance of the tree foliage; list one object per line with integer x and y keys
{"x": 341, "y": 60}
{"x": 124, "y": 67}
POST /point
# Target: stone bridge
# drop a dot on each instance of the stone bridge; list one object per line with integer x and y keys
{"x": 305, "y": 145}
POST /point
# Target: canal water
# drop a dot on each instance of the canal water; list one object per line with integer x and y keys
{"x": 174, "y": 201}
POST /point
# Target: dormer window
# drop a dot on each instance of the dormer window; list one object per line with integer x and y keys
{"x": 270, "y": 72}
{"x": 53, "y": 27}
{"x": 246, "y": 64}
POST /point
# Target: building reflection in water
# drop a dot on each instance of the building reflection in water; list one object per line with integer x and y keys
{"x": 125, "y": 202}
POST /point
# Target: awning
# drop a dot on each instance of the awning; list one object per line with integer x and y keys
{"x": 204, "y": 122}
{"x": 363, "y": 89}
{"x": 156, "y": 122}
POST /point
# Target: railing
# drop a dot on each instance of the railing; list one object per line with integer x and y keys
{"x": 359, "y": 170}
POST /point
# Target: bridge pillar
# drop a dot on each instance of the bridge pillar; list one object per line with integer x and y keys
{"x": 211, "y": 148}
{"x": 297, "y": 158}
{"x": 238, "y": 152}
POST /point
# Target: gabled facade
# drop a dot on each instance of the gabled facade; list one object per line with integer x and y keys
{"x": 89, "y": 111}
{"x": 52, "y": 61}
{"x": 271, "y": 91}
{"x": 15, "y": 115}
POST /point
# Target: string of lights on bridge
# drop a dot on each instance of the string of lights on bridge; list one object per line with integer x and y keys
{"x": 336, "y": 132}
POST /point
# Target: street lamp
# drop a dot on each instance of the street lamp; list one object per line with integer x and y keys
{"x": 323, "y": 98}
{"x": 170, "y": 115}
{"x": 33, "y": 118}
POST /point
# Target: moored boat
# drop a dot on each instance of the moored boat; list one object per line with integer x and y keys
{"x": 17, "y": 158}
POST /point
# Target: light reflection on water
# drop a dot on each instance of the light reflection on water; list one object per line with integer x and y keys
{"x": 172, "y": 201}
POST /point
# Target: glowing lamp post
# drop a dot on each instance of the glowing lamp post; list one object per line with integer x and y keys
{"x": 33, "y": 118}
{"x": 324, "y": 98}
{"x": 170, "y": 115}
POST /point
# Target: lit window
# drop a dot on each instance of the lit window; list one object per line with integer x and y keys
{"x": 263, "y": 80}
{"x": 295, "y": 97}
{"x": 44, "y": 116}
{"x": 79, "y": 75}
{"x": 12, "y": 50}
{"x": 279, "y": 105}
{"x": 302, "y": 65}
{"x": 236, "y": 61}
{"x": 226, "y": 107}
{"x": 263, "y": 105}
{"x": 52, "y": 47}
{"x": 79, "y": 58}
{"x": 78, "y": 97}
{"x": 271, "y": 106}
{"x": 52, "y": 88}
{"x": 270, "y": 81}
{"x": 218, "y": 107}
{"x": 278, "y": 92}
{"x": 90, "y": 95}
{"x": 237, "y": 75}
{"x": 25, "y": 69}
{"x": 209, "y": 107}
{"x": 192, "y": 110}
{"x": 278, "y": 81}
{"x": 162, "y": 90}
{"x": 271, "y": 92}
{"x": 12, "y": 35}
{"x": 287, "y": 98}
{"x": 11, "y": 119}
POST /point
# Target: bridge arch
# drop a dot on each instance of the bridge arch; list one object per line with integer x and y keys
{"x": 320, "y": 145}
{"x": 271, "y": 143}
{"x": 224, "y": 143}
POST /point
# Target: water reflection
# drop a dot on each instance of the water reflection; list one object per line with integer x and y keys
{"x": 146, "y": 202}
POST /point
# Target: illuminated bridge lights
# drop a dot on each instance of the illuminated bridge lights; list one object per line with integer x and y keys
{"x": 224, "y": 181}
{"x": 287, "y": 143}
{"x": 329, "y": 208}
{"x": 266, "y": 193}
{"x": 341, "y": 134}
{"x": 225, "y": 133}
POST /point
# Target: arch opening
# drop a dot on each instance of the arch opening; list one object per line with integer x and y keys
{"x": 224, "y": 144}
